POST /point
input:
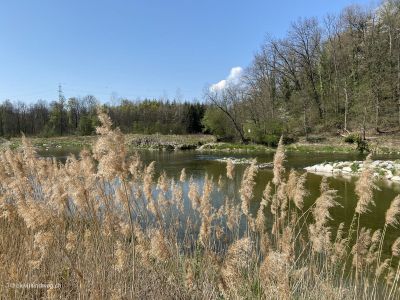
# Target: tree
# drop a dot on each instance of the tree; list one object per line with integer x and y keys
{"x": 58, "y": 118}
{"x": 229, "y": 101}
{"x": 86, "y": 126}
{"x": 215, "y": 121}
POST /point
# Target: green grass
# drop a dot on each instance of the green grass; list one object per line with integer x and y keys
{"x": 354, "y": 167}
{"x": 322, "y": 148}
{"x": 232, "y": 147}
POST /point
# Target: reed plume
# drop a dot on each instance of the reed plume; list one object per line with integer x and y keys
{"x": 120, "y": 257}
{"x": 182, "y": 177}
{"x": 162, "y": 182}
{"x": 392, "y": 214}
{"x": 365, "y": 186}
{"x": 230, "y": 169}
{"x": 295, "y": 188}
{"x": 237, "y": 259}
{"x": 247, "y": 186}
{"x": 159, "y": 248}
{"x": 193, "y": 193}
{"x": 279, "y": 159}
{"x": 148, "y": 180}
{"x": 320, "y": 234}
{"x": 396, "y": 247}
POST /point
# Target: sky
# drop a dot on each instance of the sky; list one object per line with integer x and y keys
{"x": 139, "y": 48}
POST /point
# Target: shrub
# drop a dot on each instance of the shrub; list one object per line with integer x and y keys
{"x": 271, "y": 140}
{"x": 362, "y": 145}
{"x": 351, "y": 138}
{"x": 215, "y": 122}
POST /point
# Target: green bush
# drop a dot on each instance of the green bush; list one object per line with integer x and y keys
{"x": 289, "y": 139}
{"x": 362, "y": 145}
{"x": 351, "y": 138}
{"x": 271, "y": 140}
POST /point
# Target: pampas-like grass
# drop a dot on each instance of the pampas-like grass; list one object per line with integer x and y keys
{"x": 102, "y": 227}
{"x": 230, "y": 169}
{"x": 120, "y": 257}
{"x": 158, "y": 246}
{"x": 396, "y": 247}
{"x": 182, "y": 177}
{"x": 393, "y": 213}
{"x": 193, "y": 194}
{"x": 247, "y": 186}
{"x": 320, "y": 234}
{"x": 365, "y": 186}
{"x": 236, "y": 260}
{"x": 279, "y": 159}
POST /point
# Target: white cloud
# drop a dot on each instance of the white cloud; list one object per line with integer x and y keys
{"x": 233, "y": 78}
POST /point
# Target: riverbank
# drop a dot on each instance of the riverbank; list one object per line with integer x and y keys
{"x": 377, "y": 145}
{"x": 132, "y": 141}
{"x": 202, "y": 142}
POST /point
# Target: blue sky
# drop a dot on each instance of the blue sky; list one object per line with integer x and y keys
{"x": 136, "y": 49}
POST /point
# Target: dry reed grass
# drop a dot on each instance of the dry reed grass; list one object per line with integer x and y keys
{"x": 103, "y": 228}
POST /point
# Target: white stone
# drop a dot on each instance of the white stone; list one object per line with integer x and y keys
{"x": 396, "y": 178}
{"x": 346, "y": 170}
{"x": 326, "y": 169}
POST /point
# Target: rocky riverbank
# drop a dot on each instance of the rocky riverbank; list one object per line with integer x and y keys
{"x": 383, "y": 169}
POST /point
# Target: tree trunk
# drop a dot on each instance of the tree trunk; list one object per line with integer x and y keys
{"x": 305, "y": 120}
{"x": 364, "y": 121}
{"x": 235, "y": 124}
{"x": 346, "y": 105}
{"x": 398, "y": 86}
{"x": 377, "y": 113}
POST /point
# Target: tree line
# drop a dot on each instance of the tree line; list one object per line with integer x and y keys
{"x": 78, "y": 116}
{"x": 340, "y": 74}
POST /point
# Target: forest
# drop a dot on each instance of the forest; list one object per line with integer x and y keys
{"x": 340, "y": 74}
{"x": 78, "y": 116}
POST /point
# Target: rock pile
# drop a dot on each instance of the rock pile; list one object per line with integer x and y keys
{"x": 385, "y": 169}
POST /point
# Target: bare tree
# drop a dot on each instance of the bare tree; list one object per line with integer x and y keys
{"x": 229, "y": 101}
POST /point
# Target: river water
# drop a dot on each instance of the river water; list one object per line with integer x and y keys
{"x": 197, "y": 164}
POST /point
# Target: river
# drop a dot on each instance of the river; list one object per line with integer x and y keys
{"x": 197, "y": 164}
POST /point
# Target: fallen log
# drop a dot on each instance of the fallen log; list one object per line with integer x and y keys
{"x": 387, "y": 132}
